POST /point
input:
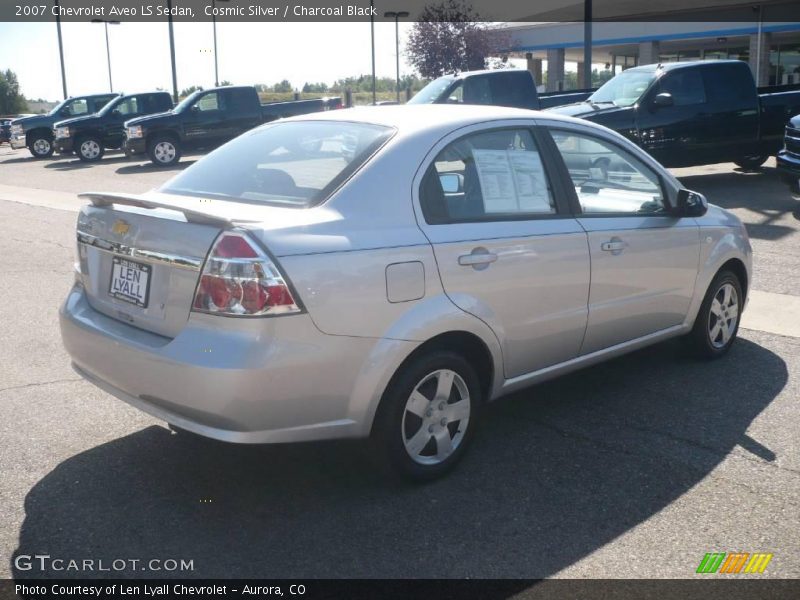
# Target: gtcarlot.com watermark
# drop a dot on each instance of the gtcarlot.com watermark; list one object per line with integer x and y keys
{"x": 47, "y": 563}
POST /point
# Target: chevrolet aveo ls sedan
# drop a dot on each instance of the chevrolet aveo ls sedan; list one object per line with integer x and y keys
{"x": 383, "y": 272}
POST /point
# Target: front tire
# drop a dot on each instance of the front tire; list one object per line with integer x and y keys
{"x": 164, "y": 151}
{"x": 41, "y": 146}
{"x": 717, "y": 322}
{"x": 90, "y": 149}
{"x": 428, "y": 415}
{"x": 751, "y": 163}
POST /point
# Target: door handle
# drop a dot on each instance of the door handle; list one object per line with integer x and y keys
{"x": 480, "y": 258}
{"x": 614, "y": 245}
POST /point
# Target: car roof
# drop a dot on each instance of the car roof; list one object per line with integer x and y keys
{"x": 671, "y": 66}
{"x": 409, "y": 119}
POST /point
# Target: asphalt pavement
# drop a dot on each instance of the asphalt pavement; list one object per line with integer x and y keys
{"x": 633, "y": 468}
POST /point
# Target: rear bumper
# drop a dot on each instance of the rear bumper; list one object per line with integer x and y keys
{"x": 134, "y": 147}
{"x": 235, "y": 380}
{"x": 788, "y": 164}
{"x": 17, "y": 143}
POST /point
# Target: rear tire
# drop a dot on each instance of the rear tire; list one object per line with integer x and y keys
{"x": 428, "y": 416}
{"x": 90, "y": 149}
{"x": 41, "y": 146}
{"x": 164, "y": 151}
{"x": 751, "y": 163}
{"x": 717, "y": 322}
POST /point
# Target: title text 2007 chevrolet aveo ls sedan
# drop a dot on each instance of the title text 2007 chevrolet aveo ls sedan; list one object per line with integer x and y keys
{"x": 382, "y": 272}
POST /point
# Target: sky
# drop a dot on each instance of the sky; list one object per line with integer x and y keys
{"x": 249, "y": 53}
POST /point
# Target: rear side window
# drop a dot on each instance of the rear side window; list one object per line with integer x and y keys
{"x": 240, "y": 99}
{"x": 295, "y": 164}
{"x": 100, "y": 101}
{"x": 729, "y": 86}
{"x": 512, "y": 89}
{"x": 489, "y": 176}
{"x": 685, "y": 85}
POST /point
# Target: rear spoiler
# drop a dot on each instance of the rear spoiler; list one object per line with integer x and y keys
{"x": 196, "y": 210}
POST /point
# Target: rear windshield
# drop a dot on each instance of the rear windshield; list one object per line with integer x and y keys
{"x": 295, "y": 164}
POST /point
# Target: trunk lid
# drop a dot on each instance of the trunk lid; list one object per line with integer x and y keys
{"x": 141, "y": 256}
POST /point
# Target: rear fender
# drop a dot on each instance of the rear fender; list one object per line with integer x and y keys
{"x": 424, "y": 321}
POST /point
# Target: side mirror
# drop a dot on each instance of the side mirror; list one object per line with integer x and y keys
{"x": 663, "y": 99}
{"x": 690, "y": 204}
{"x": 451, "y": 183}
{"x": 116, "y": 113}
{"x": 195, "y": 108}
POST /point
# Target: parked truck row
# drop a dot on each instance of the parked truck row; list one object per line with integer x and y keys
{"x": 683, "y": 114}
{"x": 89, "y": 125}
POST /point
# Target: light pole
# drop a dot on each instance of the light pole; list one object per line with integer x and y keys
{"x": 372, "y": 38}
{"x": 61, "y": 49}
{"x": 214, "y": 22}
{"x": 108, "y": 48}
{"x": 397, "y": 16}
{"x": 172, "y": 52}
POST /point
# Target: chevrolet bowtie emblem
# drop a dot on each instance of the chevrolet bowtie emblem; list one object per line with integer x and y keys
{"x": 120, "y": 227}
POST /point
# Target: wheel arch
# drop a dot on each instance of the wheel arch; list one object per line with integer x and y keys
{"x": 736, "y": 266}
{"x": 464, "y": 343}
{"x": 30, "y": 135}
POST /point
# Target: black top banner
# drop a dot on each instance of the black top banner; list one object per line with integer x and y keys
{"x": 272, "y": 11}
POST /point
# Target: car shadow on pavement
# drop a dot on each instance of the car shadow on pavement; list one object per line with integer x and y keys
{"x": 30, "y": 159}
{"x": 151, "y": 168}
{"x": 76, "y": 163}
{"x": 761, "y": 192}
{"x": 556, "y": 472}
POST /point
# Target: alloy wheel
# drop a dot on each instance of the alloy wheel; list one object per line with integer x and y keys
{"x": 723, "y": 316}
{"x": 41, "y": 147}
{"x": 90, "y": 149}
{"x": 164, "y": 152}
{"x": 436, "y": 416}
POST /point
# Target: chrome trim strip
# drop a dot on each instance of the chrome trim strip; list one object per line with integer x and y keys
{"x": 189, "y": 263}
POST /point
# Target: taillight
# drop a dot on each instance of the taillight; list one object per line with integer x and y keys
{"x": 239, "y": 279}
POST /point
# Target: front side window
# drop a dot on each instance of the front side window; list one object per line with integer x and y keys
{"x": 608, "y": 179}
{"x": 77, "y": 108}
{"x": 294, "y": 164}
{"x": 128, "y": 106}
{"x": 207, "y": 102}
{"x": 489, "y": 176}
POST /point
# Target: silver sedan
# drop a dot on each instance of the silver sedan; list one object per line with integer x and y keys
{"x": 382, "y": 272}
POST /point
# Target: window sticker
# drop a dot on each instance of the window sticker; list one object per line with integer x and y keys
{"x": 512, "y": 181}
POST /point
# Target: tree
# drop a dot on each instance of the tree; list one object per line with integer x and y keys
{"x": 450, "y": 37}
{"x": 284, "y": 86}
{"x": 11, "y": 100}
{"x": 315, "y": 88}
{"x": 225, "y": 83}
{"x": 190, "y": 90}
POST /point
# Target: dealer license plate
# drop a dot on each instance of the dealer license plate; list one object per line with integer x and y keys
{"x": 130, "y": 281}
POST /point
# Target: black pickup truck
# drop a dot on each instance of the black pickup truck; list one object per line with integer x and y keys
{"x": 36, "y": 132}
{"x": 91, "y": 135}
{"x": 208, "y": 118}
{"x": 693, "y": 113}
{"x": 789, "y": 158}
{"x": 500, "y": 87}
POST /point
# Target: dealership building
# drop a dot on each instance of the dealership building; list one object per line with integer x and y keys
{"x": 772, "y": 48}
